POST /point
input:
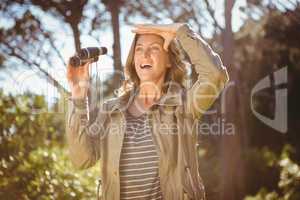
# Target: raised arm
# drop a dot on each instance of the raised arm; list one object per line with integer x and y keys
{"x": 212, "y": 75}
{"x": 83, "y": 134}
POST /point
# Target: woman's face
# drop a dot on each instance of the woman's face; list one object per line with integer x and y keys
{"x": 150, "y": 59}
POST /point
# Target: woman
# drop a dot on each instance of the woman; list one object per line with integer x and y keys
{"x": 146, "y": 138}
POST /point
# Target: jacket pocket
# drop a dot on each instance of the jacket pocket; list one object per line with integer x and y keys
{"x": 197, "y": 190}
{"x": 99, "y": 189}
{"x": 190, "y": 179}
{"x": 186, "y": 196}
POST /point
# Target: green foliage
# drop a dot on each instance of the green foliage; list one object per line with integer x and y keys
{"x": 263, "y": 47}
{"x": 289, "y": 183}
{"x": 33, "y": 160}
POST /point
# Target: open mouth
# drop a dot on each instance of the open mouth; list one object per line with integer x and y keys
{"x": 146, "y": 66}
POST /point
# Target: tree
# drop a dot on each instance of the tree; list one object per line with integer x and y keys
{"x": 263, "y": 47}
{"x": 29, "y": 34}
{"x": 34, "y": 163}
{"x": 288, "y": 184}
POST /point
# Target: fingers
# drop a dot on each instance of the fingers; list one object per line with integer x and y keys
{"x": 168, "y": 36}
{"x": 75, "y": 74}
{"x": 145, "y": 26}
{"x": 150, "y": 29}
{"x": 166, "y": 43}
{"x": 145, "y": 31}
{"x": 70, "y": 72}
{"x": 150, "y": 26}
{"x": 86, "y": 70}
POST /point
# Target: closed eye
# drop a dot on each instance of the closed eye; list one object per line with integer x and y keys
{"x": 155, "y": 48}
{"x": 138, "y": 49}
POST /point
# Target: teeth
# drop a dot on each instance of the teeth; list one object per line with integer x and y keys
{"x": 146, "y": 66}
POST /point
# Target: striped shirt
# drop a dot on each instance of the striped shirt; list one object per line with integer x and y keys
{"x": 139, "y": 161}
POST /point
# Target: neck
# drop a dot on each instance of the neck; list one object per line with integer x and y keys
{"x": 150, "y": 91}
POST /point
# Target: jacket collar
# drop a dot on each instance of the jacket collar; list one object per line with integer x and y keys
{"x": 173, "y": 97}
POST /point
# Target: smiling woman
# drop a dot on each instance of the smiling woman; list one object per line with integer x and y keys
{"x": 150, "y": 59}
{"x": 149, "y": 67}
{"x": 145, "y": 137}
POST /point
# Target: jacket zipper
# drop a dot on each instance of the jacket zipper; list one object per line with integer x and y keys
{"x": 98, "y": 188}
{"x": 187, "y": 168}
{"x": 120, "y": 149}
{"x": 151, "y": 118}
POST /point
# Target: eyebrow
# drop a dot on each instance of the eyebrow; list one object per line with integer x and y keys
{"x": 141, "y": 44}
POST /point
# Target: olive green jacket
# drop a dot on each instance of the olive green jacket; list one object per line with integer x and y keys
{"x": 173, "y": 126}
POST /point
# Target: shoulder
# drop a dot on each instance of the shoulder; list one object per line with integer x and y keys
{"x": 119, "y": 102}
{"x": 109, "y": 104}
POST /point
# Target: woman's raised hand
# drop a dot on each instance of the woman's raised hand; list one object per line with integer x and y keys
{"x": 78, "y": 79}
{"x": 167, "y": 31}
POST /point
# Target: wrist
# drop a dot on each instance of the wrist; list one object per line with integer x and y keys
{"x": 80, "y": 105}
{"x": 81, "y": 94}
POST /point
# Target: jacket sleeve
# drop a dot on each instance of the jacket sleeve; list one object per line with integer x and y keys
{"x": 212, "y": 75}
{"x": 83, "y": 137}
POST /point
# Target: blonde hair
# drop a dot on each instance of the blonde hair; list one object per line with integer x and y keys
{"x": 176, "y": 73}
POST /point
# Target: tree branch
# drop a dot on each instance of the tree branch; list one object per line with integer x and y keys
{"x": 48, "y": 76}
{"x": 212, "y": 15}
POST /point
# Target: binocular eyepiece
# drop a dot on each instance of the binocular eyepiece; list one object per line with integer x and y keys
{"x": 89, "y": 54}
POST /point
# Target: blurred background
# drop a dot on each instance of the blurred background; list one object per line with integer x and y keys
{"x": 249, "y": 147}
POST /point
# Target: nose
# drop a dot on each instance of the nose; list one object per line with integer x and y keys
{"x": 147, "y": 53}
